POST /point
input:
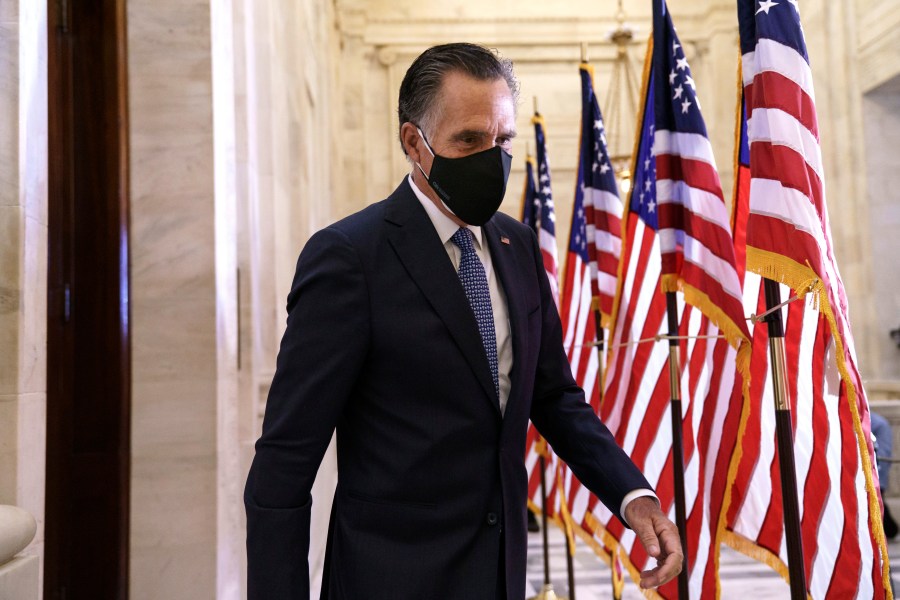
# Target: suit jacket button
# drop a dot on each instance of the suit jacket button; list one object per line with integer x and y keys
{"x": 492, "y": 519}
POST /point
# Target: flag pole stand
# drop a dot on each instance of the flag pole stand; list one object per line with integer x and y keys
{"x": 677, "y": 441}
{"x": 785, "y": 437}
{"x": 546, "y": 592}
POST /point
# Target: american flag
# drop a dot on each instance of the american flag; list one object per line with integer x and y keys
{"x": 578, "y": 319}
{"x": 579, "y": 332}
{"x": 591, "y": 267}
{"x": 789, "y": 239}
{"x": 636, "y": 404}
{"x": 546, "y": 230}
{"x": 538, "y": 213}
{"x": 694, "y": 227}
{"x": 596, "y": 185}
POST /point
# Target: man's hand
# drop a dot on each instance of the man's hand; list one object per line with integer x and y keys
{"x": 660, "y": 539}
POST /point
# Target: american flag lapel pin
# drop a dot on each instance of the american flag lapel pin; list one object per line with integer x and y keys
{"x": 504, "y": 240}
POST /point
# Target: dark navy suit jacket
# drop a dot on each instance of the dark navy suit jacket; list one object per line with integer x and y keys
{"x": 382, "y": 344}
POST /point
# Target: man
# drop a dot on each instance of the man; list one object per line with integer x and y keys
{"x": 422, "y": 328}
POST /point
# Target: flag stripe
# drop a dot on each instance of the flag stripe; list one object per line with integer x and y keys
{"x": 775, "y": 57}
{"x": 782, "y": 93}
{"x": 702, "y": 176}
{"x": 787, "y": 166}
{"x": 782, "y": 128}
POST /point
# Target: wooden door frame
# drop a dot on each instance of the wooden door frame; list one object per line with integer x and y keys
{"x": 88, "y": 314}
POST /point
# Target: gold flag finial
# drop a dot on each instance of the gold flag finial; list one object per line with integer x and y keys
{"x": 536, "y": 106}
{"x": 584, "y": 52}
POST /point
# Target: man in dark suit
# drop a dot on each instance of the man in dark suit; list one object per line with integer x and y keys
{"x": 423, "y": 329}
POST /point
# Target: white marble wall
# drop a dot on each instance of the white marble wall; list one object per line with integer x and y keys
{"x": 231, "y": 133}
{"x": 23, "y": 256}
{"x": 878, "y": 42}
{"x": 878, "y": 38}
{"x": 882, "y": 130}
{"x": 285, "y": 64}
{"x": 173, "y": 301}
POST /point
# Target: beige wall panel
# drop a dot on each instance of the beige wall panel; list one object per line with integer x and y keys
{"x": 23, "y": 259}
{"x": 173, "y": 302}
{"x": 878, "y": 33}
{"x": 882, "y": 130}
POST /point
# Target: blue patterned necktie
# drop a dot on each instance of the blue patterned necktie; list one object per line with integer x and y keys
{"x": 475, "y": 283}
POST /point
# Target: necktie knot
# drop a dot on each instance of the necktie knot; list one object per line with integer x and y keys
{"x": 463, "y": 240}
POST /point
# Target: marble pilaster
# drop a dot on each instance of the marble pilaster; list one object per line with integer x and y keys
{"x": 831, "y": 31}
{"x": 173, "y": 298}
{"x": 287, "y": 133}
{"x": 882, "y": 130}
{"x": 23, "y": 271}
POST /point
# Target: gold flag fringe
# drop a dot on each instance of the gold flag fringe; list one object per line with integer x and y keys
{"x": 804, "y": 281}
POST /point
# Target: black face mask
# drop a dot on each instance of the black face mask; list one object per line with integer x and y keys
{"x": 472, "y": 186}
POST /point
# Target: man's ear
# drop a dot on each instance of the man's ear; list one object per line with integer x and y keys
{"x": 412, "y": 141}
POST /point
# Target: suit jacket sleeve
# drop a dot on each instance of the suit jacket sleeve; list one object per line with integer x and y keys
{"x": 568, "y": 423}
{"x": 321, "y": 354}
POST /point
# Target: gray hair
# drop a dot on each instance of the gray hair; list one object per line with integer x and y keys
{"x": 422, "y": 82}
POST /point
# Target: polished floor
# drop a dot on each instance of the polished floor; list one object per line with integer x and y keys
{"x": 742, "y": 577}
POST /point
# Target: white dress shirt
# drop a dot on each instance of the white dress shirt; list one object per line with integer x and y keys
{"x": 445, "y": 228}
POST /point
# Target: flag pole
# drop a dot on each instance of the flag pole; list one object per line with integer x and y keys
{"x": 570, "y": 546}
{"x": 546, "y": 592}
{"x": 570, "y": 565}
{"x": 785, "y": 438}
{"x": 677, "y": 441}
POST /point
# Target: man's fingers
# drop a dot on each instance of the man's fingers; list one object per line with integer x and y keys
{"x": 646, "y": 533}
{"x": 660, "y": 539}
{"x": 662, "y": 572}
{"x": 669, "y": 538}
{"x": 670, "y": 558}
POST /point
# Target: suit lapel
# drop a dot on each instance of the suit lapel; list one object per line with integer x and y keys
{"x": 419, "y": 248}
{"x": 503, "y": 257}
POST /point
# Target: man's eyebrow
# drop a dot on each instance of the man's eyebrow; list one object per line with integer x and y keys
{"x": 467, "y": 133}
{"x": 470, "y": 133}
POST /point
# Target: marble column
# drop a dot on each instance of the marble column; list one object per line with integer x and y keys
{"x": 878, "y": 35}
{"x": 173, "y": 287}
{"x": 23, "y": 261}
{"x": 285, "y": 65}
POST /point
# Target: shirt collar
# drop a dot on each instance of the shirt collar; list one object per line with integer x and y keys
{"x": 443, "y": 224}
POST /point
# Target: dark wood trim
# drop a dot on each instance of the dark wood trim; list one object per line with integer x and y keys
{"x": 88, "y": 315}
